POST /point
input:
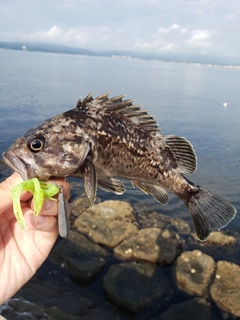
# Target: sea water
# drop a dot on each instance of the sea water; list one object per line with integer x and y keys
{"x": 186, "y": 99}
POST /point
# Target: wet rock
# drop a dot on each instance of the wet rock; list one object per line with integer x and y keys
{"x": 216, "y": 238}
{"x": 79, "y": 203}
{"x": 220, "y": 239}
{"x": 225, "y": 290}
{"x": 136, "y": 285}
{"x": 218, "y": 245}
{"x": 150, "y": 244}
{"x": 84, "y": 258}
{"x": 193, "y": 272}
{"x": 157, "y": 220}
{"x": 25, "y": 310}
{"x": 108, "y": 223}
{"x": 197, "y": 309}
{"x": 54, "y": 305}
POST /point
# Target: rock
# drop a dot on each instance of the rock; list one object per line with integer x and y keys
{"x": 220, "y": 239}
{"x": 197, "y": 309}
{"x": 136, "y": 285}
{"x": 84, "y": 258}
{"x": 25, "y": 310}
{"x": 218, "y": 245}
{"x": 225, "y": 290}
{"x": 216, "y": 238}
{"x": 193, "y": 272}
{"x": 150, "y": 244}
{"x": 53, "y": 305}
{"x": 157, "y": 220}
{"x": 108, "y": 223}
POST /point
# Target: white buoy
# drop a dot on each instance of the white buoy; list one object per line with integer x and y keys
{"x": 224, "y": 104}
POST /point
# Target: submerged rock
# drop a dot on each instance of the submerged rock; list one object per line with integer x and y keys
{"x": 218, "y": 245}
{"x": 46, "y": 301}
{"x": 150, "y": 244}
{"x": 135, "y": 285}
{"x": 154, "y": 219}
{"x": 83, "y": 258}
{"x": 225, "y": 290}
{"x": 107, "y": 223}
{"x": 193, "y": 309}
{"x": 193, "y": 272}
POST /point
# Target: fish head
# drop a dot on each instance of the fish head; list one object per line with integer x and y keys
{"x": 57, "y": 148}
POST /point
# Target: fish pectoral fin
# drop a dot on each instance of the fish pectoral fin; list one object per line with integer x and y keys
{"x": 159, "y": 193}
{"x": 90, "y": 180}
{"x": 183, "y": 153}
{"x": 111, "y": 184}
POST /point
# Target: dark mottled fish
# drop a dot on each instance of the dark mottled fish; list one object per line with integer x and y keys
{"x": 106, "y": 137}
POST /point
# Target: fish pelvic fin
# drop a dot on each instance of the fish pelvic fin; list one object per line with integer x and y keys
{"x": 90, "y": 180}
{"x": 159, "y": 193}
{"x": 183, "y": 153}
{"x": 209, "y": 212}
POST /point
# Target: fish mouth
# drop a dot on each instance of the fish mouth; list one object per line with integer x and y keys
{"x": 18, "y": 165}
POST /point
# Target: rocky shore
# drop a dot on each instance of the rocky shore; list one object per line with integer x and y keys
{"x": 123, "y": 262}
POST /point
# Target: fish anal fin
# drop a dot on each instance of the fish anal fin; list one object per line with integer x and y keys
{"x": 183, "y": 152}
{"x": 111, "y": 184}
{"x": 158, "y": 192}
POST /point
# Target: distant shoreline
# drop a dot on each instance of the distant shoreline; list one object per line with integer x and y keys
{"x": 53, "y": 48}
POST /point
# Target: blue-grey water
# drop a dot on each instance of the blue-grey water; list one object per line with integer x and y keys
{"x": 186, "y": 99}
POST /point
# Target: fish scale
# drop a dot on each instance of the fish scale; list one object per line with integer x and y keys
{"x": 104, "y": 138}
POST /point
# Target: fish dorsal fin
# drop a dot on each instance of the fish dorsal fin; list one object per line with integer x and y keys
{"x": 157, "y": 192}
{"x": 133, "y": 112}
{"x": 123, "y": 107}
{"x": 83, "y": 105}
{"x": 183, "y": 153}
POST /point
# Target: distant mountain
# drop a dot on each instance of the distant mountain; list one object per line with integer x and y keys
{"x": 169, "y": 57}
{"x": 44, "y": 47}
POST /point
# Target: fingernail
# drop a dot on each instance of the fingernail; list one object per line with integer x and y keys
{"x": 48, "y": 204}
{"x": 34, "y": 222}
{"x": 41, "y": 220}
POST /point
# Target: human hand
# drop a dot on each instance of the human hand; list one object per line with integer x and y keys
{"x": 22, "y": 252}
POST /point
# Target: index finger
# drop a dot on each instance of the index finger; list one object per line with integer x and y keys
{"x": 5, "y": 191}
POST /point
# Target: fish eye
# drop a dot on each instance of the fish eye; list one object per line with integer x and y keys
{"x": 36, "y": 144}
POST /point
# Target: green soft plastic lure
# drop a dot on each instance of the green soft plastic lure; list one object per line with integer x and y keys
{"x": 39, "y": 189}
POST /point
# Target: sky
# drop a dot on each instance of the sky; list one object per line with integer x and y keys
{"x": 208, "y": 27}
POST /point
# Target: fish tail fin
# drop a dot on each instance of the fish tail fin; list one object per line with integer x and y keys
{"x": 209, "y": 212}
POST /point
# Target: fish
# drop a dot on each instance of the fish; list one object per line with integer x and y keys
{"x": 105, "y": 139}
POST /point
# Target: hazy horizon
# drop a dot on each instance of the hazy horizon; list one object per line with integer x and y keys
{"x": 207, "y": 28}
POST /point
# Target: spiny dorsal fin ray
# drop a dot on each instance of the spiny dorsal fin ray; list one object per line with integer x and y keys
{"x": 83, "y": 105}
{"x": 183, "y": 153}
{"x": 157, "y": 192}
{"x": 122, "y": 107}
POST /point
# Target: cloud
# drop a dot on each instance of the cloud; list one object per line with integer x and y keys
{"x": 200, "y": 38}
{"x": 176, "y": 37}
{"x": 173, "y": 28}
{"x": 93, "y": 37}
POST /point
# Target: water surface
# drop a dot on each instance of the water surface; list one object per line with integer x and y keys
{"x": 186, "y": 99}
